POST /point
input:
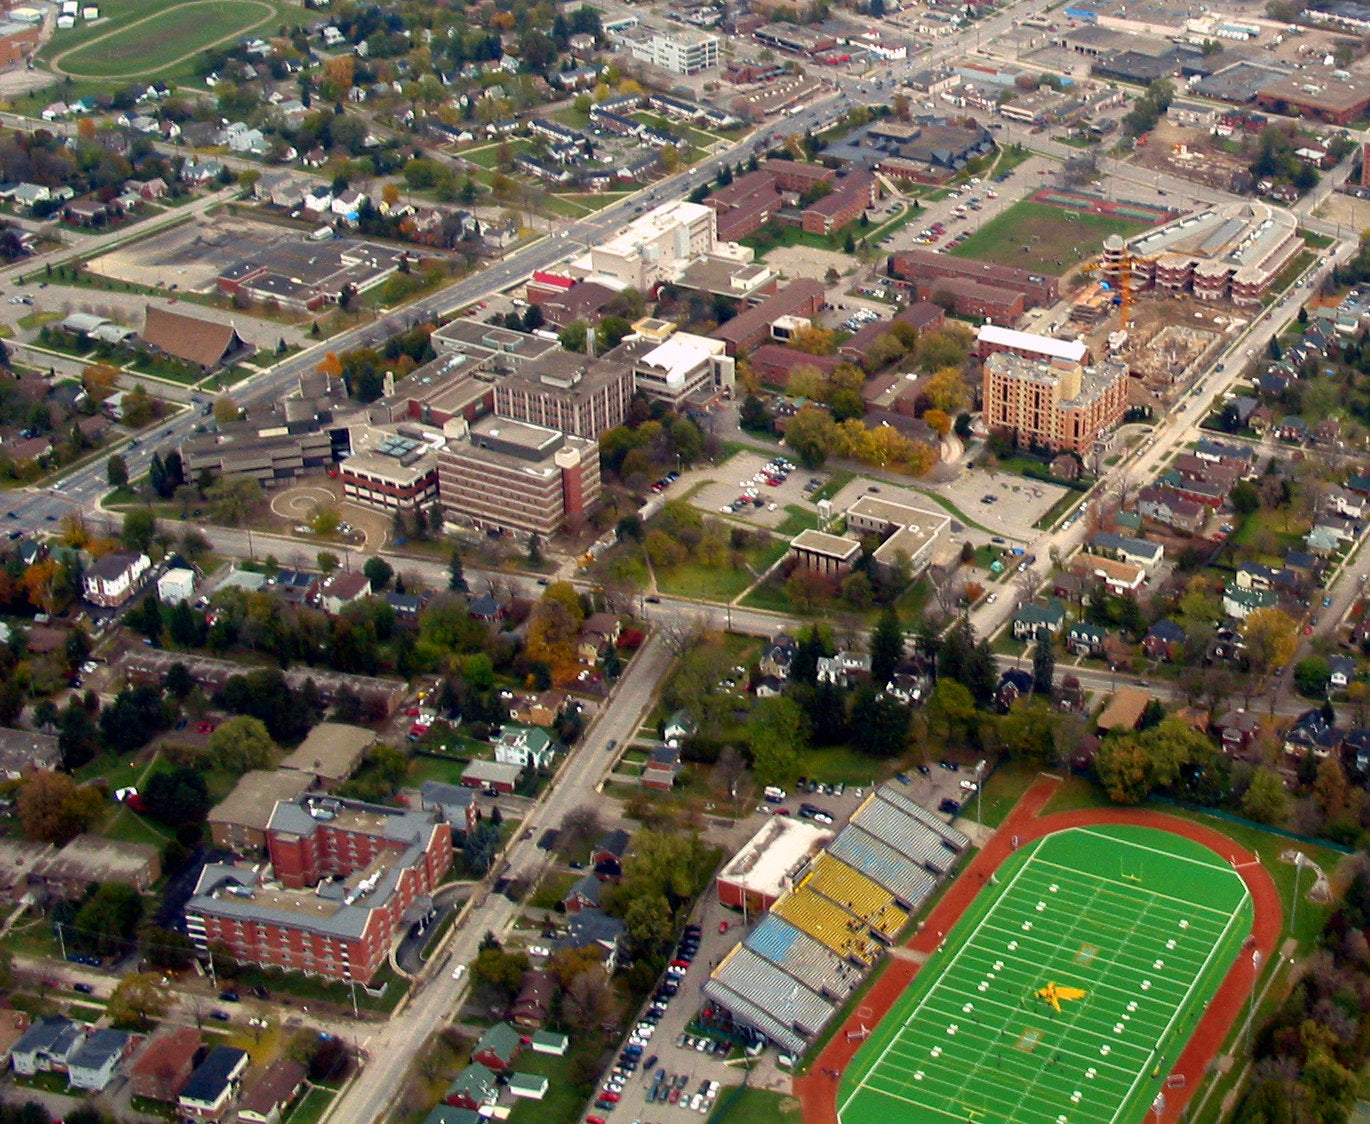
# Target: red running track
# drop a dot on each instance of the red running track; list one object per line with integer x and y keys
{"x": 818, "y": 1088}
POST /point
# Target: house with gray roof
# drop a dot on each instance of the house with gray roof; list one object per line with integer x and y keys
{"x": 1031, "y": 617}
{"x": 93, "y": 1066}
{"x": 47, "y": 1046}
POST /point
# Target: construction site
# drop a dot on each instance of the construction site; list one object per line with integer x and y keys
{"x": 1193, "y": 153}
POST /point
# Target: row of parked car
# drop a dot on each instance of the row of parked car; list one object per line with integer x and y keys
{"x": 611, "y": 1092}
{"x": 673, "y": 1089}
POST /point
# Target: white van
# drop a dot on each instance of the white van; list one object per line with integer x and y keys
{"x": 773, "y": 795}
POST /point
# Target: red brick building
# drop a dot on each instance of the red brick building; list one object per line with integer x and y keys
{"x": 345, "y": 879}
{"x": 774, "y": 363}
{"x": 745, "y": 205}
{"x": 752, "y": 328}
{"x": 968, "y": 297}
{"x": 850, "y": 196}
{"x": 1055, "y": 405}
{"x": 1038, "y": 289}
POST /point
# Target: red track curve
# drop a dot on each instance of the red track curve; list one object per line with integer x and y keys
{"x": 818, "y": 1088}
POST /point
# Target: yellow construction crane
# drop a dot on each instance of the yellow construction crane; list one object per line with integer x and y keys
{"x": 1117, "y": 266}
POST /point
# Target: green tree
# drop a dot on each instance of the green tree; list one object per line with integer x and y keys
{"x": 1123, "y": 769}
{"x": 1266, "y": 800}
{"x": 116, "y": 471}
{"x": 456, "y": 575}
{"x": 777, "y": 730}
{"x": 139, "y": 1001}
{"x": 378, "y": 572}
{"x": 108, "y": 919}
{"x": 1044, "y": 665}
{"x": 240, "y": 744}
{"x": 886, "y": 646}
{"x": 140, "y": 525}
{"x": 879, "y": 723}
{"x": 1311, "y": 675}
{"x": 234, "y": 498}
{"x": 179, "y": 796}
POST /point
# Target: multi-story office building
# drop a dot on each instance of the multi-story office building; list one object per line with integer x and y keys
{"x": 511, "y": 476}
{"x": 568, "y": 392}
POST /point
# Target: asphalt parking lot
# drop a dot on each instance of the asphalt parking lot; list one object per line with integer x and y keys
{"x": 678, "y": 1051}
{"x": 728, "y": 480}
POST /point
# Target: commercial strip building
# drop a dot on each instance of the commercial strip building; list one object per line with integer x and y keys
{"x": 344, "y": 880}
{"x": 508, "y": 475}
{"x": 1057, "y": 404}
{"x": 1230, "y": 252}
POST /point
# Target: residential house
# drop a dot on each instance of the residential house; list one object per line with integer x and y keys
{"x": 908, "y": 689}
{"x": 1168, "y": 507}
{"x": 528, "y": 1086}
{"x": 486, "y": 609}
{"x": 269, "y": 1098}
{"x": 1311, "y": 733}
{"x": 160, "y": 1072}
{"x": 594, "y": 929}
{"x": 456, "y": 805}
{"x": 611, "y": 848}
{"x": 47, "y": 1046}
{"x": 533, "y": 1003}
{"x": 1124, "y": 710}
{"x": 662, "y": 767}
{"x": 1322, "y": 542}
{"x": 1071, "y": 695}
{"x": 214, "y": 1085}
{"x": 599, "y": 633}
{"x": 843, "y": 667}
{"x": 1031, "y": 617}
{"x": 1236, "y": 729}
{"x": 1140, "y": 552}
{"x": 93, "y": 1066}
{"x": 1164, "y": 640}
{"x": 1291, "y": 427}
{"x": 1118, "y": 576}
{"x": 542, "y": 709}
{"x": 583, "y": 895}
{"x": 523, "y": 745}
{"x": 678, "y": 727}
{"x": 497, "y": 1048}
{"x": 1241, "y": 603}
{"x": 550, "y": 1042}
{"x": 778, "y": 656}
{"x": 341, "y": 589}
{"x": 1085, "y": 639}
{"x": 474, "y": 1087}
{"x": 112, "y": 580}
{"x": 493, "y": 776}
{"x": 1342, "y": 669}
{"x": 1238, "y": 456}
{"x": 1014, "y": 684}
{"x": 769, "y": 687}
{"x": 1352, "y": 505}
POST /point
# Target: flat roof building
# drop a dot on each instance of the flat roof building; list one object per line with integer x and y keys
{"x": 769, "y": 863}
{"x": 345, "y": 880}
{"x": 238, "y": 822}
{"x": 657, "y": 245}
{"x": 1056, "y": 405}
{"x": 567, "y": 392}
{"x": 678, "y": 368}
{"x": 512, "y": 476}
{"x": 89, "y": 859}
{"x": 331, "y": 753}
{"x": 1233, "y": 252}
{"x": 391, "y": 470}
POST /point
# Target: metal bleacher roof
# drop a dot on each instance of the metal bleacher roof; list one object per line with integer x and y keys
{"x": 907, "y": 880}
{"x": 787, "y": 999}
{"x": 745, "y": 1011}
{"x": 801, "y": 956}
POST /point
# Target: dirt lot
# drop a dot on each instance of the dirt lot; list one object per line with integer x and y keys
{"x": 189, "y": 256}
{"x": 804, "y": 261}
{"x": 1199, "y": 159}
{"x": 723, "y": 484}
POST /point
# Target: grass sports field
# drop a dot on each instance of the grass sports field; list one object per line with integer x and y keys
{"x": 1144, "y": 922}
{"x": 1039, "y": 236}
{"x": 140, "y": 40}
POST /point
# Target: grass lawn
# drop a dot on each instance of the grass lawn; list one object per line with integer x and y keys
{"x": 435, "y": 769}
{"x": 745, "y": 1105}
{"x": 135, "y": 42}
{"x": 565, "y": 1097}
{"x": 37, "y": 319}
{"x": 309, "y": 1109}
{"x": 771, "y": 597}
{"x": 703, "y": 583}
{"x": 798, "y": 519}
{"x": 839, "y": 763}
{"x": 1262, "y": 525}
{"x": 1042, "y": 237}
{"x": 129, "y": 827}
{"x": 1067, "y": 502}
{"x": 553, "y": 888}
{"x": 836, "y": 481}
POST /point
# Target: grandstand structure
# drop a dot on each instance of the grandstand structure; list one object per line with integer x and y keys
{"x": 836, "y": 911}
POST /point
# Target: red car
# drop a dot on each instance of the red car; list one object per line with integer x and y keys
{"x": 722, "y": 926}
{"x": 594, "y": 1120}
{"x": 612, "y": 1098}
{"x": 412, "y": 712}
{"x": 204, "y": 727}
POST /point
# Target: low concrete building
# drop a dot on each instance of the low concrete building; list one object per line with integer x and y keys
{"x": 238, "y": 822}
{"x": 331, "y": 753}
{"x": 88, "y": 859}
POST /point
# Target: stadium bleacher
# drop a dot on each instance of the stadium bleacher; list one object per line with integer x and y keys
{"x": 813, "y": 948}
{"x": 858, "y": 895}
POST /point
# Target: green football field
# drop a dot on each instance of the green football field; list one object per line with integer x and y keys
{"x": 1144, "y": 922}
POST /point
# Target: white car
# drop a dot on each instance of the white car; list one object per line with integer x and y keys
{"x": 969, "y": 787}
{"x": 459, "y": 971}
